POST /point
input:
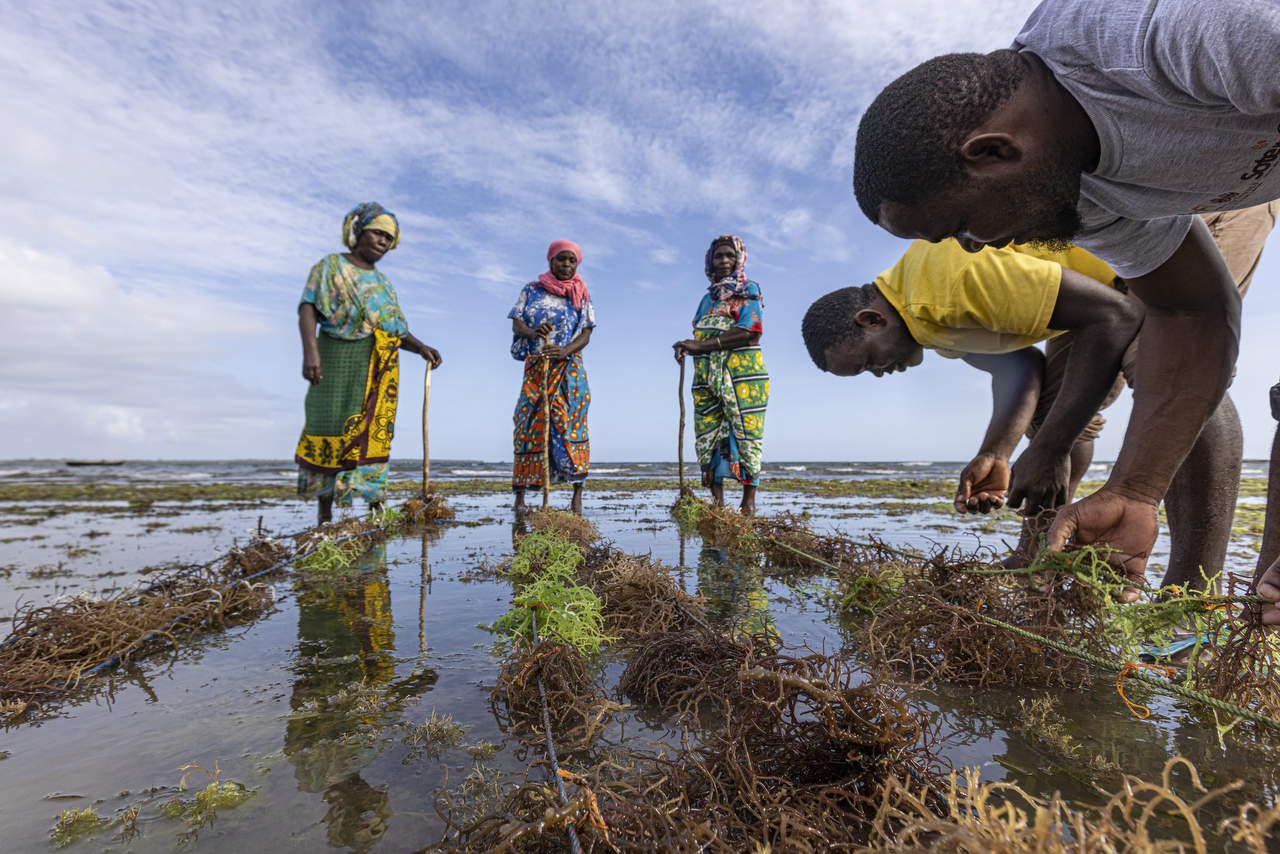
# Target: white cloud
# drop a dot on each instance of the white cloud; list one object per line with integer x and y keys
{"x": 98, "y": 357}
{"x": 117, "y": 422}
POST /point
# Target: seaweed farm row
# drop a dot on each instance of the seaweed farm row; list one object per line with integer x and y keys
{"x": 737, "y": 686}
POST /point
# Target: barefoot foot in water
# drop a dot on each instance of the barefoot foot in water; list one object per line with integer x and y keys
{"x": 748, "y": 505}
{"x": 324, "y": 512}
{"x": 576, "y": 505}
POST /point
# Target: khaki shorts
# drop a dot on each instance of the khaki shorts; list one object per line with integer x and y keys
{"x": 1240, "y": 236}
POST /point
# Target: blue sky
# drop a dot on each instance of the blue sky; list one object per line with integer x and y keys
{"x": 171, "y": 171}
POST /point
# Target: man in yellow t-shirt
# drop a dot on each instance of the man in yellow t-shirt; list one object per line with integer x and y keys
{"x": 989, "y": 309}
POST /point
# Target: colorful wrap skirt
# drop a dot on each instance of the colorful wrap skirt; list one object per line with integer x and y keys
{"x": 350, "y": 419}
{"x": 730, "y": 397}
{"x": 570, "y": 397}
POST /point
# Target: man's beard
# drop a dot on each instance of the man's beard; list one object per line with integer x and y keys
{"x": 1048, "y": 198}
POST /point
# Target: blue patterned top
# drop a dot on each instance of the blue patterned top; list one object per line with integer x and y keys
{"x": 536, "y": 306}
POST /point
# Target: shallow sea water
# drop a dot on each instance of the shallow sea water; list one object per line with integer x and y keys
{"x": 310, "y": 706}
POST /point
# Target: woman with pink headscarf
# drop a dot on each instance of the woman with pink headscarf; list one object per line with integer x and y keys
{"x": 551, "y": 322}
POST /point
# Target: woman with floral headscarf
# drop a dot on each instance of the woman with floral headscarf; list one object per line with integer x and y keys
{"x": 353, "y": 365}
{"x": 551, "y": 322}
{"x": 730, "y": 383}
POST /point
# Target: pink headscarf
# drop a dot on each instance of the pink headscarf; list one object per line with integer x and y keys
{"x": 575, "y": 289}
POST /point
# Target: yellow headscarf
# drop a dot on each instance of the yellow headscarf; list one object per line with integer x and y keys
{"x": 366, "y": 216}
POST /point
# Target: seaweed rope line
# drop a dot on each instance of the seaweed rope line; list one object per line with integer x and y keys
{"x": 181, "y": 573}
{"x": 115, "y": 659}
{"x": 1176, "y": 597}
{"x": 1209, "y": 602}
{"x": 1098, "y": 661}
{"x": 556, "y": 773}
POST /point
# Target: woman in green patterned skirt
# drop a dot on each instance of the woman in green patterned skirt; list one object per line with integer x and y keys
{"x": 353, "y": 366}
{"x": 730, "y": 383}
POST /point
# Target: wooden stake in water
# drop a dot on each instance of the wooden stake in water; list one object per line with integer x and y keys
{"x": 426, "y": 453}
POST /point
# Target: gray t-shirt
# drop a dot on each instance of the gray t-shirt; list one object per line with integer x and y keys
{"x": 1185, "y": 97}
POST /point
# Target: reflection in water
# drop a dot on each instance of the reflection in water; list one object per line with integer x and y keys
{"x": 424, "y": 589}
{"x": 345, "y": 695}
{"x": 735, "y": 592}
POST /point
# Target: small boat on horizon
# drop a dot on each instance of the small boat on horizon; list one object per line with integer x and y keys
{"x": 95, "y": 462}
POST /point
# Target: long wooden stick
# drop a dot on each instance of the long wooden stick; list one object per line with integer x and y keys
{"x": 546, "y": 427}
{"x": 426, "y": 452}
{"x": 680, "y": 434}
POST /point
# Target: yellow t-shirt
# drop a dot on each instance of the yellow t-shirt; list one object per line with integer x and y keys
{"x": 993, "y": 301}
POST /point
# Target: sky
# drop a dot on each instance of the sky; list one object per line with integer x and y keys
{"x": 171, "y": 171}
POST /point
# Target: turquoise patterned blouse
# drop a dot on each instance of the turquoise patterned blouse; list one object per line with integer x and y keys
{"x": 353, "y": 301}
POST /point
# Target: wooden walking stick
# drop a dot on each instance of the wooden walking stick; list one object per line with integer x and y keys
{"x": 680, "y": 434}
{"x": 546, "y": 426}
{"x": 426, "y": 452}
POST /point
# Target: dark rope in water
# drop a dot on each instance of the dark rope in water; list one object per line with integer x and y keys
{"x": 574, "y": 845}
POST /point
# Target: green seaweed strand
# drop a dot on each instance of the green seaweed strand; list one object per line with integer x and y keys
{"x": 546, "y": 566}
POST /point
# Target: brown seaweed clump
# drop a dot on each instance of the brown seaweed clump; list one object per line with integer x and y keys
{"x": 727, "y": 528}
{"x": 688, "y": 673}
{"x": 578, "y": 710}
{"x": 640, "y": 595}
{"x": 787, "y": 540}
{"x": 570, "y": 526}
{"x": 1242, "y": 662}
{"x": 430, "y": 508}
{"x": 51, "y": 647}
{"x": 260, "y": 555}
{"x": 794, "y": 764}
{"x": 934, "y": 629}
{"x": 802, "y": 760}
{"x": 526, "y": 818}
{"x": 331, "y": 532}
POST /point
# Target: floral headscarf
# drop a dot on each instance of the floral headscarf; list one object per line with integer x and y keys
{"x": 366, "y": 216}
{"x": 735, "y": 284}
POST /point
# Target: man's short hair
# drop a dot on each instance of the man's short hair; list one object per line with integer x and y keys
{"x": 829, "y": 321}
{"x": 909, "y": 139}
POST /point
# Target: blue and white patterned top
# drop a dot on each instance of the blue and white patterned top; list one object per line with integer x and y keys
{"x": 536, "y": 306}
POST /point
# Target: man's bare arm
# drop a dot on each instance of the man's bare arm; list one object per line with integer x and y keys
{"x": 1015, "y": 389}
{"x": 1103, "y": 323}
{"x": 1187, "y": 349}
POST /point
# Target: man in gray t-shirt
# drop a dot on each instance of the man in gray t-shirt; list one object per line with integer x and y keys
{"x": 1109, "y": 124}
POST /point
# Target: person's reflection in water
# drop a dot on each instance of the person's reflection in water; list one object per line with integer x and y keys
{"x": 345, "y": 695}
{"x": 735, "y": 593}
